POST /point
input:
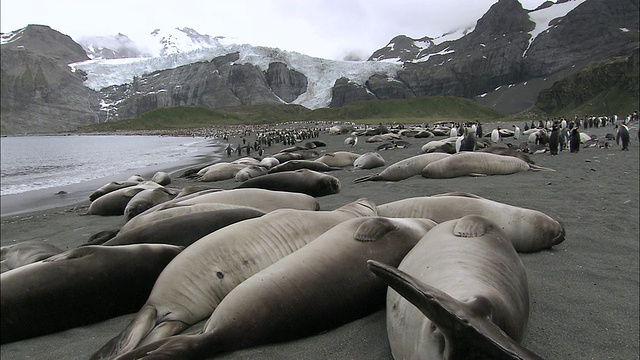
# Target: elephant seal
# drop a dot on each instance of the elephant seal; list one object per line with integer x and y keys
{"x": 78, "y": 287}
{"x": 192, "y": 285}
{"x": 303, "y": 181}
{"x": 293, "y": 297}
{"x": 465, "y": 276}
{"x": 114, "y": 202}
{"x": 25, "y": 253}
{"x": 269, "y": 162}
{"x": 250, "y": 172}
{"x": 339, "y": 158}
{"x": 263, "y": 199}
{"x": 109, "y": 187}
{"x": 529, "y": 230}
{"x": 477, "y": 163}
{"x": 183, "y": 230}
{"x": 173, "y": 210}
{"x": 404, "y": 169}
{"x": 146, "y": 199}
{"x": 369, "y": 160}
{"x": 445, "y": 146}
{"x": 221, "y": 171}
{"x": 286, "y": 156}
{"x": 161, "y": 178}
{"x": 293, "y": 165}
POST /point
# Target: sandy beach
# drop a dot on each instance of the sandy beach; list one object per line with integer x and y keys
{"x": 584, "y": 292}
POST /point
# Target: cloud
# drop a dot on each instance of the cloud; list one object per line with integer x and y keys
{"x": 324, "y": 28}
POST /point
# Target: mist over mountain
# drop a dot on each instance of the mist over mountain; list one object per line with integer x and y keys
{"x": 53, "y": 83}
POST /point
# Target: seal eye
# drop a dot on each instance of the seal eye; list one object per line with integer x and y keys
{"x": 220, "y": 274}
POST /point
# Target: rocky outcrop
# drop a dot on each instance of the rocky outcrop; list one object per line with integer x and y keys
{"x": 345, "y": 91}
{"x": 619, "y": 74}
{"x": 596, "y": 30}
{"x": 39, "y": 92}
{"x": 402, "y": 48}
{"x": 214, "y": 84}
{"x": 286, "y": 83}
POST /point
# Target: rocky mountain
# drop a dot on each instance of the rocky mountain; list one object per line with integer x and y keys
{"x": 39, "y": 93}
{"x": 504, "y": 61}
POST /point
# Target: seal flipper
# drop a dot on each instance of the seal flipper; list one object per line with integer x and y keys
{"x": 130, "y": 337}
{"x": 372, "y": 177}
{"x": 471, "y": 226}
{"x": 466, "y": 326}
{"x": 373, "y": 229}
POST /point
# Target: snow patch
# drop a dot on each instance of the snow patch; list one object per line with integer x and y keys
{"x": 543, "y": 17}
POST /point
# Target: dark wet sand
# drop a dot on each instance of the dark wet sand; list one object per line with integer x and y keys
{"x": 584, "y": 292}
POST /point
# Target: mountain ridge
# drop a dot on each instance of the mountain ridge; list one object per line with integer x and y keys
{"x": 487, "y": 63}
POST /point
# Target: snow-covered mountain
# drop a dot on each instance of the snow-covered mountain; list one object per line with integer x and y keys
{"x": 186, "y": 46}
{"x": 504, "y": 60}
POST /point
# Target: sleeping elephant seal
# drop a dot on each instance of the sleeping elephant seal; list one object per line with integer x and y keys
{"x": 114, "y": 202}
{"x": 25, "y": 253}
{"x": 161, "y": 178}
{"x": 477, "y": 163}
{"x": 529, "y": 230}
{"x": 323, "y": 285}
{"x": 109, "y": 187}
{"x": 146, "y": 199}
{"x": 293, "y": 165}
{"x": 404, "y": 169}
{"x": 78, "y": 287}
{"x": 303, "y": 181}
{"x": 172, "y": 210}
{"x": 184, "y": 230}
{"x": 465, "y": 276}
{"x": 369, "y": 160}
{"x": 263, "y": 199}
{"x": 191, "y": 287}
{"x": 339, "y": 158}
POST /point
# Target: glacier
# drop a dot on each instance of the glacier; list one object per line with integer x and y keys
{"x": 321, "y": 73}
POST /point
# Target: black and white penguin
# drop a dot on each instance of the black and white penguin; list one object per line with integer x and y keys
{"x": 554, "y": 140}
{"x": 622, "y": 136}
{"x": 574, "y": 140}
{"x": 468, "y": 141}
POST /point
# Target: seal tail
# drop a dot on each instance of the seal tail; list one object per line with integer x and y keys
{"x": 372, "y": 177}
{"x": 465, "y": 325}
{"x": 539, "y": 168}
{"x": 131, "y": 336}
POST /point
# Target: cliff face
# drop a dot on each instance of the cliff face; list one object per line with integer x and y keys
{"x": 214, "y": 84}
{"x": 39, "y": 93}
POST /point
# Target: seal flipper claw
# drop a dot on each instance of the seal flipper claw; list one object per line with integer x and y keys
{"x": 466, "y": 326}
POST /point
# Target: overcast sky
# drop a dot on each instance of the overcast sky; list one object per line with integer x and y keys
{"x": 329, "y": 29}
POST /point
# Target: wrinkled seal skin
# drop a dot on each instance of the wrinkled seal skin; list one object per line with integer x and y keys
{"x": 528, "y": 230}
{"x": 465, "y": 276}
{"x": 339, "y": 158}
{"x": 192, "y": 285}
{"x": 319, "y": 287}
{"x": 369, "y": 160}
{"x": 184, "y": 230}
{"x": 78, "y": 287}
{"x": 303, "y": 181}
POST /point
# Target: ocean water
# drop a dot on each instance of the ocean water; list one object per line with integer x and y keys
{"x": 40, "y": 162}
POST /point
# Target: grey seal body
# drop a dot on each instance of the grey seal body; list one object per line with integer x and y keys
{"x": 528, "y": 230}
{"x": 469, "y": 282}
{"x": 192, "y": 286}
